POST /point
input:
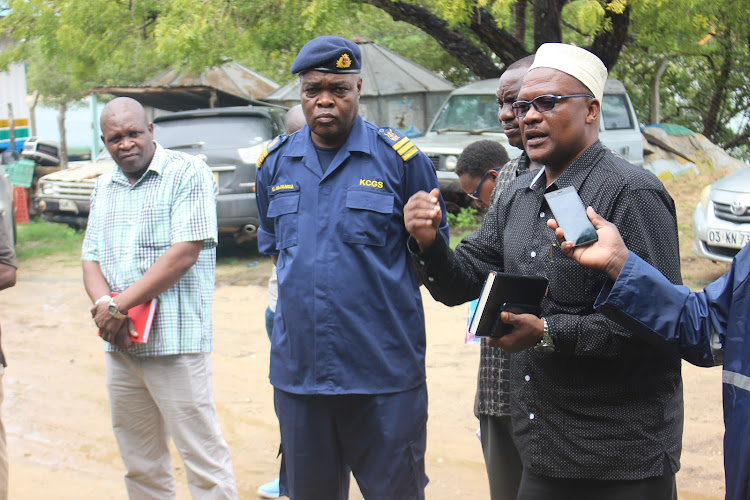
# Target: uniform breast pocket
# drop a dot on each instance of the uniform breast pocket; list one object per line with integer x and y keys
{"x": 366, "y": 217}
{"x": 155, "y": 224}
{"x": 283, "y": 209}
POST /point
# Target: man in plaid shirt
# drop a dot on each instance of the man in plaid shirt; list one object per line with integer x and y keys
{"x": 152, "y": 233}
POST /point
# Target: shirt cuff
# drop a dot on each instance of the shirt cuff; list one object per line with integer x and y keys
{"x": 437, "y": 252}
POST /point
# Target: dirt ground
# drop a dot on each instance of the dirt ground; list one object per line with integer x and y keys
{"x": 56, "y": 411}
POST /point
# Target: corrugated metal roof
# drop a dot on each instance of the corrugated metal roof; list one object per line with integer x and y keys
{"x": 232, "y": 78}
{"x": 384, "y": 73}
{"x": 230, "y": 84}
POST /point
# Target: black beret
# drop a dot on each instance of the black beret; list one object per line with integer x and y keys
{"x": 331, "y": 54}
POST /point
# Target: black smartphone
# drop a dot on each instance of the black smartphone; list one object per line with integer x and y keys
{"x": 570, "y": 215}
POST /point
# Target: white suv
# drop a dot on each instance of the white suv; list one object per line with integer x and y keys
{"x": 470, "y": 114}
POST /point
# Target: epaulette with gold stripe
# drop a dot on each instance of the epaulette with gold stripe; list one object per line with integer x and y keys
{"x": 270, "y": 148}
{"x": 399, "y": 142}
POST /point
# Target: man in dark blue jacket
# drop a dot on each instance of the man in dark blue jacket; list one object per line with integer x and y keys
{"x": 707, "y": 328}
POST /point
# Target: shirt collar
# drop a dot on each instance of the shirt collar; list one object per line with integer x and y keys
{"x": 575, "y": 174}
{"x": 156, "y": 165}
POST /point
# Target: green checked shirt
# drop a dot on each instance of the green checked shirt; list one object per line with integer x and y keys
{"x": 130, "y": 227}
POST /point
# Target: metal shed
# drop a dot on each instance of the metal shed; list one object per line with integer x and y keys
{"x": 230, "y": 84}
{"x": 395, "y": 90}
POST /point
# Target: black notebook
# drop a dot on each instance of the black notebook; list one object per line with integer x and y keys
{"x": 516, "y": 292}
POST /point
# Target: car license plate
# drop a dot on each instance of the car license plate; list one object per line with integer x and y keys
{"x": 724, "y": 237}
{"x": 68, "y": 206}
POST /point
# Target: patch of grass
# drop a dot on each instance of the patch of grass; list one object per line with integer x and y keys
{"x": 468, "y": 217}
{"x": 42, "y": 239}
{"x": 465, "y": 222}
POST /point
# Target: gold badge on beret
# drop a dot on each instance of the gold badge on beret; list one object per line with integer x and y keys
{"x": 344, "y": 61}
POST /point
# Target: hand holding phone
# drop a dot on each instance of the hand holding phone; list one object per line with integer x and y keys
{"x": 570, "y": 214}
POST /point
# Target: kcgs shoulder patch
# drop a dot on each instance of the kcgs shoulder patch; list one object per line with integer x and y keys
{"x": 399, "y": 142}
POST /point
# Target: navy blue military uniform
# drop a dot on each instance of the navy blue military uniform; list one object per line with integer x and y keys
{"x": 348, "y": 345}
{"x": 349, "y": 318}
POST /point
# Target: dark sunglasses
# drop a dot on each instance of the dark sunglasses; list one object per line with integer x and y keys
{"x": 475, "y": 194}
{"x": 541, "y": 103}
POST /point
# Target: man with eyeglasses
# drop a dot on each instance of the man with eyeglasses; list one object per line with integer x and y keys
{"x": 597, "y": 412}
{"x": 477, "y": 169}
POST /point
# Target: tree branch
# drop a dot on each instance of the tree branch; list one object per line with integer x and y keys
{"x": 573, "y": 28}
{"x": 450, "y": 39}
{"x": 502, "y": 43}
{"x": 737, "y": 140}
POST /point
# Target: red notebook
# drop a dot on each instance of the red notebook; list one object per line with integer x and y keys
{"x": 143, "y": 318}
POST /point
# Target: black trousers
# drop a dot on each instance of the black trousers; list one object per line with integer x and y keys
{"x": 535, "y": 487}
{"x": 500, "y": 457}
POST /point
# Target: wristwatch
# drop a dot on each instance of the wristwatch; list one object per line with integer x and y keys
{"x": 546, "y": 345}
{"x": 113, "y": 310}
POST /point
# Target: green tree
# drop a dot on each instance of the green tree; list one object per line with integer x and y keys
{"x": 69, "y": 47}
{"x": 691, "y": 54}
{"x": 692, "y": 60}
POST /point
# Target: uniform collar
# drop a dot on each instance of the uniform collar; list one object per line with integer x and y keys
{"x": 303, "y": 147}
{"x": 356, "y": 141}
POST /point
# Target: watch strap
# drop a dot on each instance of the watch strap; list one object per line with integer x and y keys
{"x": 546, "y": 344}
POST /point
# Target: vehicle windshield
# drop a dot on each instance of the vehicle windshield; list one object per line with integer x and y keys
{"x": 468, "y": 113}
{"x": 615, "y": 112}
{"x": 218, "y": 132}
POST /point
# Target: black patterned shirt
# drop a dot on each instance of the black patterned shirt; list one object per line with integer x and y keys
{"x": 605, "y": 404}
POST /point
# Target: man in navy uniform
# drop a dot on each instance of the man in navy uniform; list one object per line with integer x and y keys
{"x": 348, "y": 345}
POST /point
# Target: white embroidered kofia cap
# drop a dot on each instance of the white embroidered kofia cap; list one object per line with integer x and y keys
{"x": 575, "y": 61}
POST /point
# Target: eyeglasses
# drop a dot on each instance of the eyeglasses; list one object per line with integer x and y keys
{"x": 475, "y": 194}
{"x": 541, "y": 103}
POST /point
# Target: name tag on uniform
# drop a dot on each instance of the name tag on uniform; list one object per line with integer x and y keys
{"x": 283, "y": 187}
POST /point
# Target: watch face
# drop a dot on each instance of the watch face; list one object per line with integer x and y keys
{"x": 114, "y": 311}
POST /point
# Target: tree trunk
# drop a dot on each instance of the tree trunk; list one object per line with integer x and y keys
{"x": 450, "y": 39}
{"x": 61, "y": 110}
{"x": 32, "y": 111}
{"x": 712, "y": 114}
{"x": 608, "y": 44}
{"x": 654, "y": 97}
{"x": 519, "y": 24}
{"x": 11, "y": 128}
{"x": 547, "y": 22}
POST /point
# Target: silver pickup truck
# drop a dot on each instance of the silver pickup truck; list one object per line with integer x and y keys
{"x": 228, "y": 139}
{"x": 470, "y": 114}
